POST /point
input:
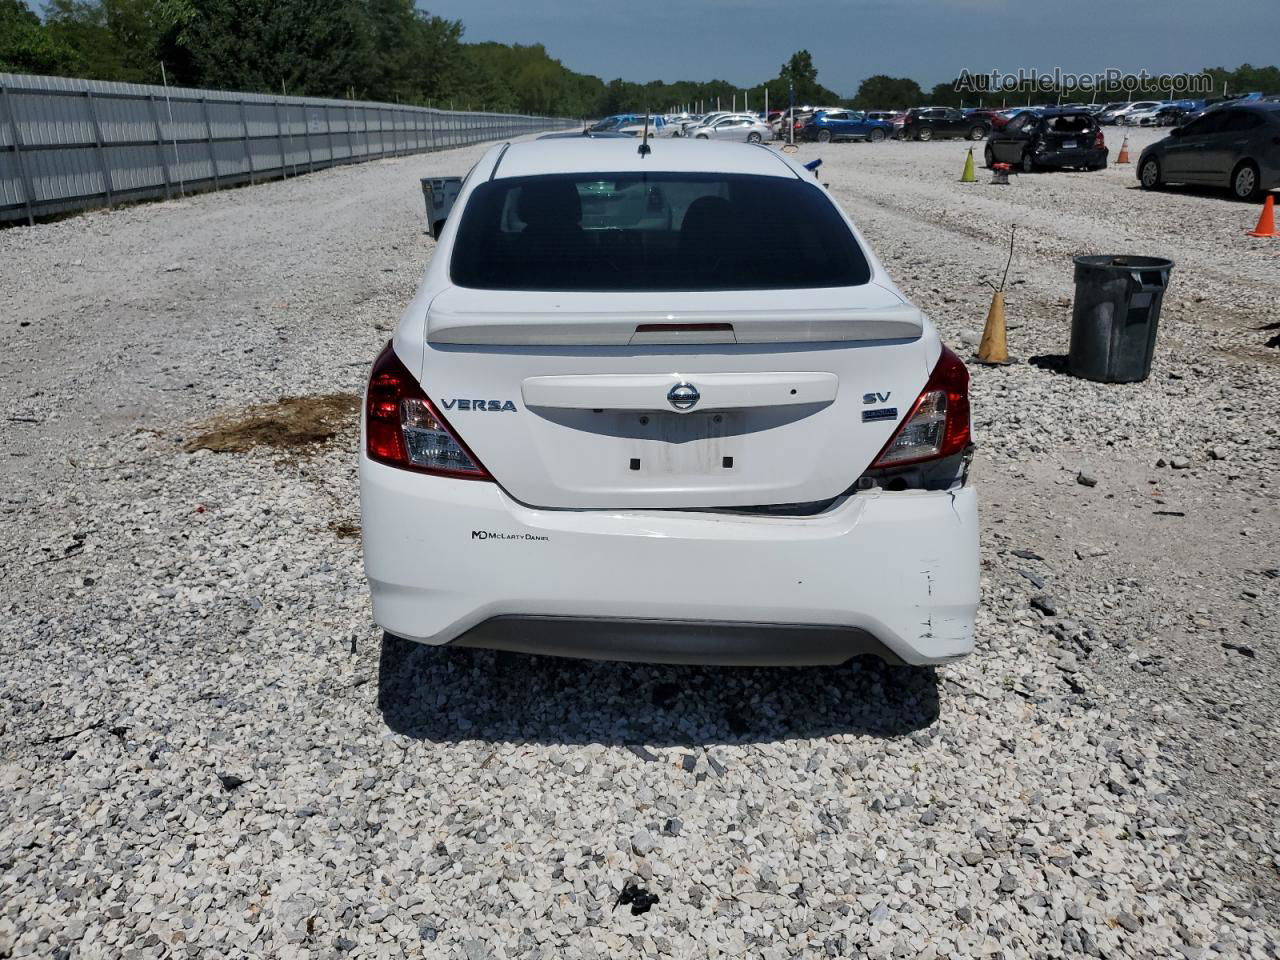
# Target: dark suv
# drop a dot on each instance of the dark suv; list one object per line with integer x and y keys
{"x": 928, "y": 123}
{"x": 1051, "y": 138}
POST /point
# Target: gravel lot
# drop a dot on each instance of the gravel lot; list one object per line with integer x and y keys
{"x": 206, "y": 750}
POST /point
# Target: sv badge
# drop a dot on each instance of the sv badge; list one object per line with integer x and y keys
{"x": 875, "y": 398}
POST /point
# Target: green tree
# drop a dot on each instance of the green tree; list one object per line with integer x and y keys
{"x": 888, "y": 93}
{"x": 121, "y": 40}
{"x": 800, "y": 74}
{"x": 27, "y": 47}
{"x": 307, "y": 47}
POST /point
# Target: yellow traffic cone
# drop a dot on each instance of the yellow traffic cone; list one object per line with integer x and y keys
{"x": 994, "y": 348}
{"x": 967, "y": 176}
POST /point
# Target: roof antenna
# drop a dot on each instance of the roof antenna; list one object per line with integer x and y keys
{"x": 644, "y": 149}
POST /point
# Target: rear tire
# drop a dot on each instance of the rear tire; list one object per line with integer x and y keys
{"x": 989, "y": 156}
{"x": 702, "y": 136}
{"x": 924, "y": 134}
{"x": 753, "y": 137}
{"x": 977, "y": 133}
{"x": 876, "y": 136}
{"x": 1028, "y": 162}
{"x": 824, "y": 136}
{"x": 1149, "y": 175}
{"x": 1246, "y": 184}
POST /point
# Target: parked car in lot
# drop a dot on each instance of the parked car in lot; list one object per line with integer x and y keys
{"x": 895, "y": 117}
{"x": 1111, "y": 112}
{"x": 995, "y": 119}
{"x": 735, "y": 127}
{"x": 618, "y": 421}
{"x": 832, "y": 125}
{"x": 1131, "y": 114}
{"x": 1169, "y": 115}
{"x": 613, "y": 123}
{"x": 1235, "y": 146}
{"x": 930, "y": 123}
{"x": 688, "y": 126}
{"x": 1057, "y": 137}
{"x": 658, "y": 127}
{"x": 587, "y": 133}
{"x": 1145, "y": 117}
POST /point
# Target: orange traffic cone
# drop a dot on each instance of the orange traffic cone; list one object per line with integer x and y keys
{"x": 1124, "y": 151}
{"x": 1267, "y": 221}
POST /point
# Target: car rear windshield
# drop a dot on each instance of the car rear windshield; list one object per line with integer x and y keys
{"x": 659, "y": 231}
{"x": 1071, "y": 123}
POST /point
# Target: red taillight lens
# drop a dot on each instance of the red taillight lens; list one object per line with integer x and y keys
{"x": 938, "y": 424}
{"x": 1100, "y": 141}
{"x": 404, "y": 429}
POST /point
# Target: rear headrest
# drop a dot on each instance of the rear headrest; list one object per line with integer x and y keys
{"x": 709, "y": 221}
{"x": 549, "y": 202}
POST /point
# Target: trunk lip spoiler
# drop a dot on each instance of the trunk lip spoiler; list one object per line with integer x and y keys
{"x": 600, "y": 328}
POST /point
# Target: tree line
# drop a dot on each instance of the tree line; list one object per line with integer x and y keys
{"x": 388, "y": 50}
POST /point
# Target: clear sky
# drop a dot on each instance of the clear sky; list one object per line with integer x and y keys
{"x": 745, "y": 41}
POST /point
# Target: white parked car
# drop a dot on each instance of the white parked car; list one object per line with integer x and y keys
{"x": 619, "y": 420}
{"x": 658, "y": 127}
{"x": 740, "y": 127}
{"x": 1132, "y": 114}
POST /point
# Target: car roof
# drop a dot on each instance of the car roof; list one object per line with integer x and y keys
{"x": 596, "y": 135}
{"x": 1064, "y": 112}
{"x": 535, "y": 158}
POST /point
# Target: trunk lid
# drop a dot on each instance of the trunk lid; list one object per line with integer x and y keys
{"x": 674, "y": 400}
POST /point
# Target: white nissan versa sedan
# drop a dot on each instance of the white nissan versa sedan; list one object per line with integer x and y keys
{"x": 666, "y": 406}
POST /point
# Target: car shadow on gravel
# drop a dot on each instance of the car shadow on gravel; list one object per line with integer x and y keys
{"x": 446, "y": 694}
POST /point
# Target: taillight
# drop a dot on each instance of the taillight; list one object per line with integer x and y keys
{"x": 938, "y": 424}
{"x": 404, "y": 429}
{"x": 1099, "y": 141}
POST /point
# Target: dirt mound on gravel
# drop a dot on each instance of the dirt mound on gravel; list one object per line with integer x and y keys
{"x": 287, "y": 424}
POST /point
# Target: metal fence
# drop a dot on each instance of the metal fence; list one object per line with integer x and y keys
{"x": 68, "y": 144}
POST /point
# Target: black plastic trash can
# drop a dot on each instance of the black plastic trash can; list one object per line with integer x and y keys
{"x": 1117, "y": 311}
{"x": 439, "y": 194}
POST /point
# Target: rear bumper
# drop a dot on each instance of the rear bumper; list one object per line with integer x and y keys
{"x": 1072, "y": 158}
{"x": 732, "y": 643}
{"x": 459, "y": 561}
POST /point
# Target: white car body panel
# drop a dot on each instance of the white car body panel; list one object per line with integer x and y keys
{"x": 590, "y": 398}
{"x": 903, "y": 567}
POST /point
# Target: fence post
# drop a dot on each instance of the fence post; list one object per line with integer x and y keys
{"x": 328, "y": 135}
{"x": 351, "y": 136}
{"x": 164, "y": 165}
{"x": 208, "y": 136}
{"x": 27, "y": 192}
{"x": 97, "y": 137}
{"x": 248, "y": 150}
{"x": 275, "y": 104}
{"x": 306, "y": 138}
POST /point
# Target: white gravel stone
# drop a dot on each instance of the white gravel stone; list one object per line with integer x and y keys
{"x": 205, "y": 750}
